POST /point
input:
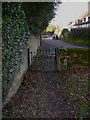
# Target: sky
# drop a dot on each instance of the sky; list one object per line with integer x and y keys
{"x": 69, "y": 11}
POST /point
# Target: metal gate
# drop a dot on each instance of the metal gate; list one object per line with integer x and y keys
{"x": 43, "y": 59}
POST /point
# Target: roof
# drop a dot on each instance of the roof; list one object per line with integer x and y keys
{"x": 85, "y": 14}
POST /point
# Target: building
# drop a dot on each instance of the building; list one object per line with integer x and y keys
{"x": 83, "y": 21}
{"x": 71, "y": 25}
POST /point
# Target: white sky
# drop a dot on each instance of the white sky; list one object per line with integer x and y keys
{"x": 69, "y": 11}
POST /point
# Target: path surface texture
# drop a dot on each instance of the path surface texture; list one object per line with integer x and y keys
{"x": 42, "y": 94}
{"x": 59, "y": 43}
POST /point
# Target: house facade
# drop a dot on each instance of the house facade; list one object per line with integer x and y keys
{"x": 83, "y": 21}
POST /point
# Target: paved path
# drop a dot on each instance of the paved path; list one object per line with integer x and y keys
{"x": 45, "y": 59}
{"x": 42, "y": 95}
{"x": 59, "y": 43}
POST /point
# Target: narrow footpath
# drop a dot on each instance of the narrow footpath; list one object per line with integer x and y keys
{"x": 42, "y": 94}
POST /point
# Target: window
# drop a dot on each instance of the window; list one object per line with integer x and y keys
{"x": 88, "y": 19}
{"x": 84, "y": 19}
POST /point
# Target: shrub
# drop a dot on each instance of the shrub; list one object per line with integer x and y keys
{"x": 64, "y": 33}
{"x": 79, "y": 33}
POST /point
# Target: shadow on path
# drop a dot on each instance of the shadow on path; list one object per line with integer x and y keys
{"x": 41, "y": 95}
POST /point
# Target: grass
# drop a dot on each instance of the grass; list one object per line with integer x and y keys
{"x": 74, "y": 57}
{"x": 79, "y": 41}
{"x": 78, "y": 56}
{"x": 77, "y": 89}
{"x": 77, "y": 80}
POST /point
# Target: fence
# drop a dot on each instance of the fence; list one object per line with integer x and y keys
{"x": 72, "y": 57}
{"x": 43, "y": 59}
{"x": 58, "y": 59}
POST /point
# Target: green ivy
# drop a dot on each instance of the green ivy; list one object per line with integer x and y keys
{"x": 15, "y": 31}
{"x": 18, "y": 19}
{"x": 39, "y": 14}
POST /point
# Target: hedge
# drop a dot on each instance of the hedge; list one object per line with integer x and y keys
{"x": 79, "y": 33}
{"x": 15, "y": 34}
{"x": 19, "y": 20}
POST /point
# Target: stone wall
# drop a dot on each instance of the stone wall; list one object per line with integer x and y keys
{"x": 33, "y": 44}
{"x": 18, "y": 79}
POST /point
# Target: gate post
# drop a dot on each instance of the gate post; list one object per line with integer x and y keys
{"x": 56, "y": 56}
{"x": 40, "y": 39}
{"x": 28, "y": 59}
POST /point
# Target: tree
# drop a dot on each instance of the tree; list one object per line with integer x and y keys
{"x": 50, "y": 28}
{"x": 57, "y": 30}
{"x": 38, "y": 15}
{"x": 65, "y": 30}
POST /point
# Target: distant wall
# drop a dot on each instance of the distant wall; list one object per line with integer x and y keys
{"x": 33, "y": 44}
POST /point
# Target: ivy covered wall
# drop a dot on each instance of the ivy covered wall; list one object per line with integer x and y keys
{"x": 20, "y": 20}
{"x": 15, "y": 36}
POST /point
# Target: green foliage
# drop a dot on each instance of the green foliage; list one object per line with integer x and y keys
{"x": 64, "y": 34}
{"x": 18, "y": 20}
{"x": 80, "y": 33}
{"x": 38, "y": 15}
{"x": 79, "y": 36}
{"x": 50, "y": 28}
{"x": 73, "y": 57}
{"x": 57, "y": 30}
{"x": 65, "y": 30}
{"x": 82, "y": 109}
{"x": 77, "y": 78}
{"x": 78, "y": 57}
{"x": 15, "y": 37}
{"x": 77, "y": 89}
{"x": 53, "y": 29}
{"x": 79, "y": 41}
